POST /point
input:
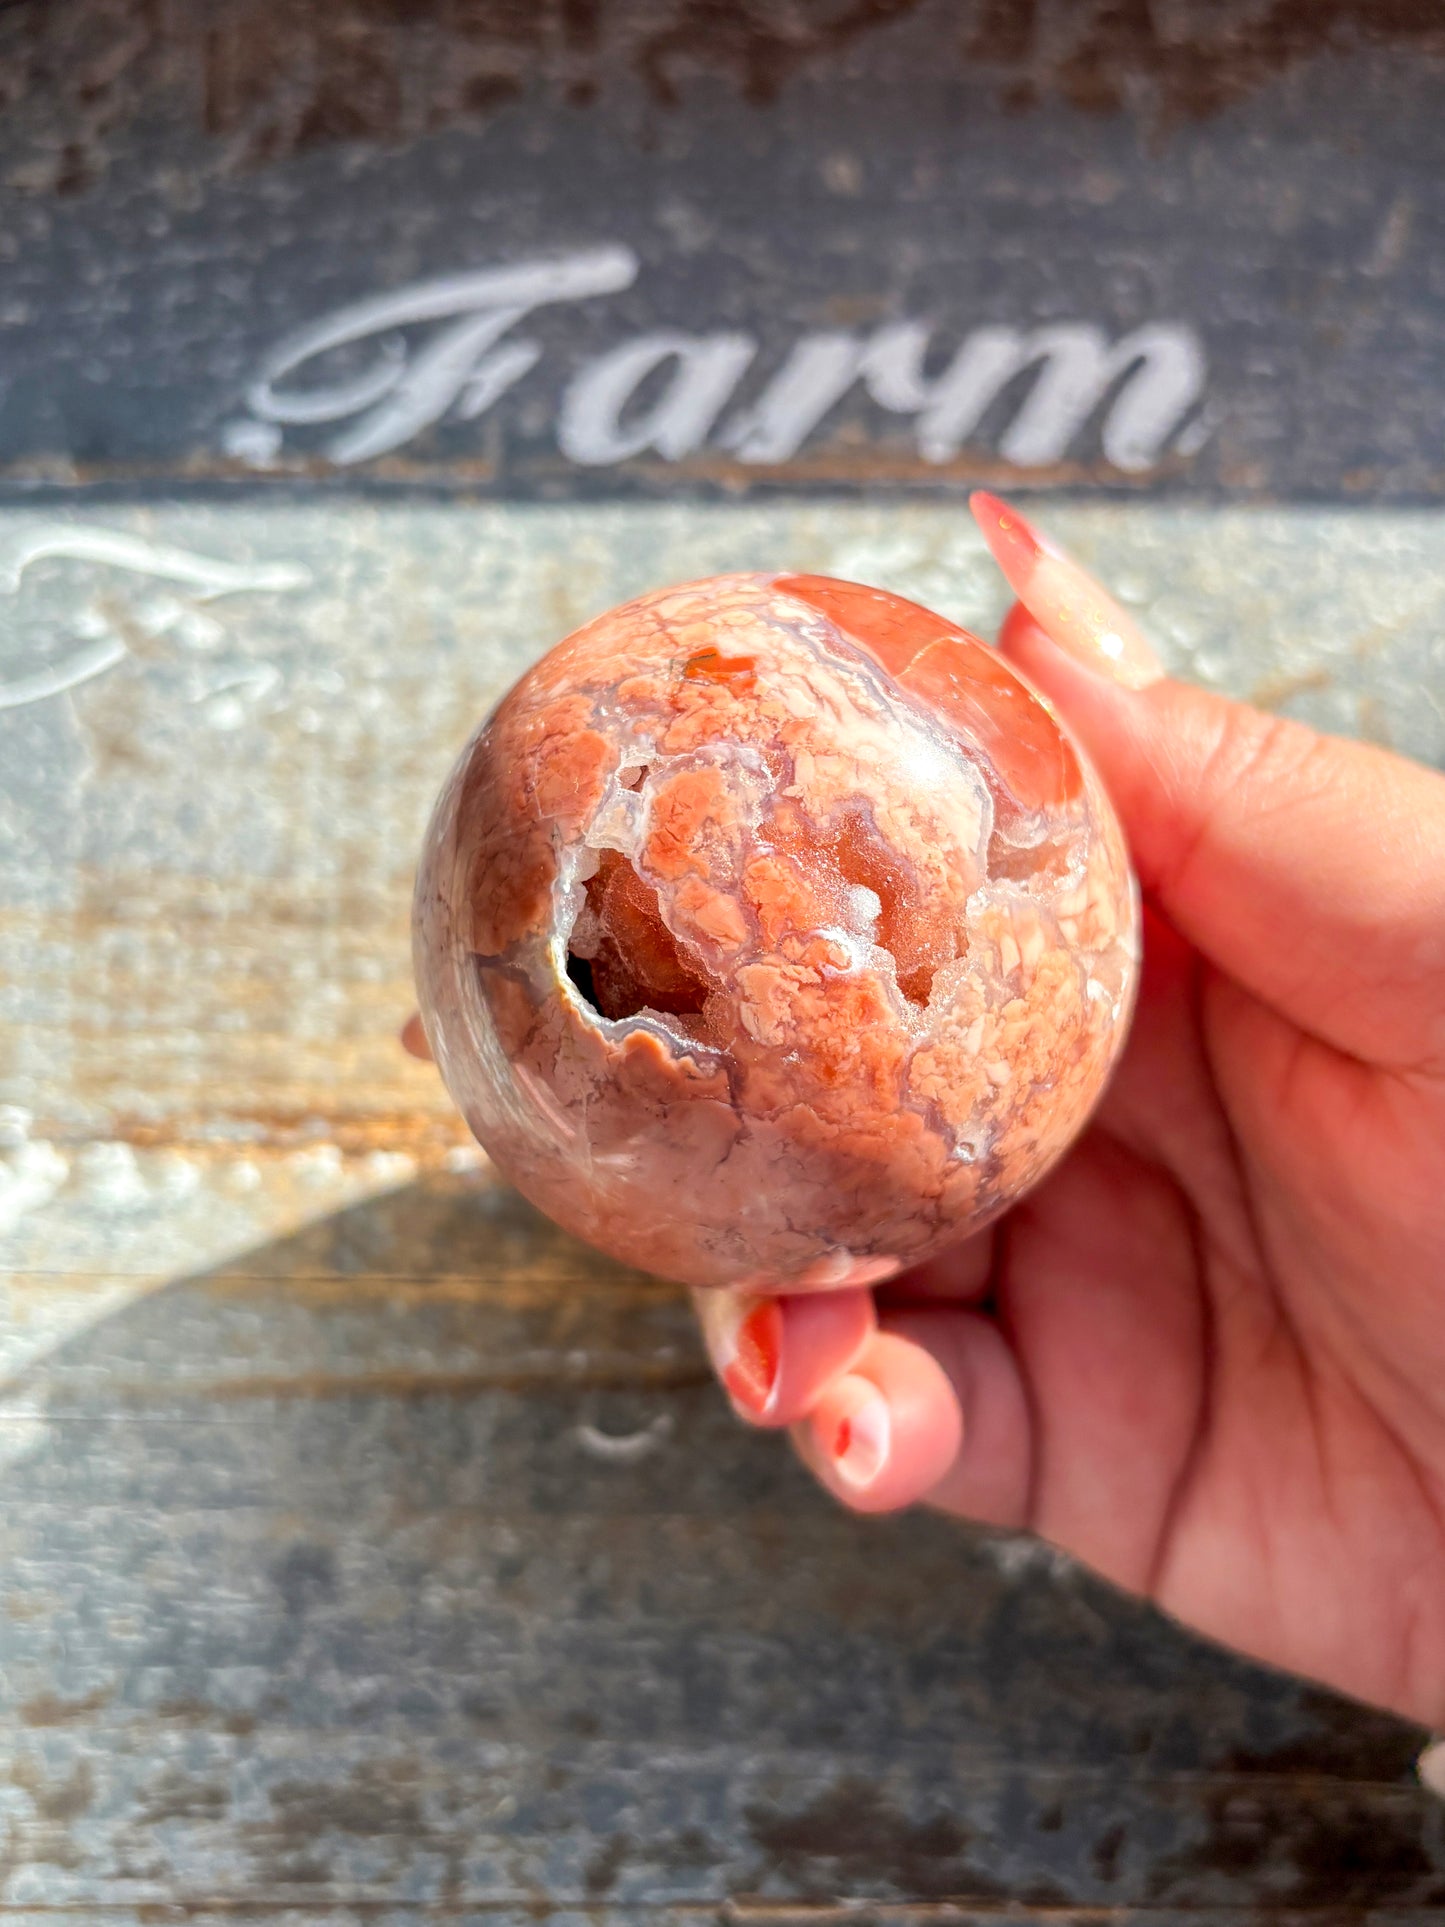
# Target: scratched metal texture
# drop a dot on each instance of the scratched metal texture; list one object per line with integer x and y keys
{"x": 369, "y": 1551}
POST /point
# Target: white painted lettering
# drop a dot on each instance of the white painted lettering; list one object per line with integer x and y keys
{"x": 1159, "y": 372}
{"x": 816, "y": 376}
{"x": 1160, "y": 369}
{"x": 664, "y": 391}
{"x": 101, "y": 642}
{"x": 398, "y": 396}
{"x": 591, "y": 429}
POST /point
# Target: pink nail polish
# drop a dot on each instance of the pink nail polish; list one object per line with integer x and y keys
{"x": 1015, "y": 543}
{"x": 861, "y": 1431}
{"x": 1077, "y": 615}
{"x": 745, "y": 1341}
{"x": 413, "y": 1038}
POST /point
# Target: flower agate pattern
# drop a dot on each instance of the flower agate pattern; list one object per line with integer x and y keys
{"x": 772, "y": 932}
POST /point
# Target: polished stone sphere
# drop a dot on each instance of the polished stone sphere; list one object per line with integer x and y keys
{"x": 773, "y": 932}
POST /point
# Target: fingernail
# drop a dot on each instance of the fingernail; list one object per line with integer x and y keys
{"x": 855, "y": 1429}
{"x": 744, "y": 1338}
{"x": 1078, "y": 616}
{"x": 413, "y": 1038}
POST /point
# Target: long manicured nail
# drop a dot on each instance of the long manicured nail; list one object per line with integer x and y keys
{"x": 854, "y": 1428}
{"x": 744, "y": 1339}
{"x": 1080, "y": 617}
{"x": 413, "y": 1038}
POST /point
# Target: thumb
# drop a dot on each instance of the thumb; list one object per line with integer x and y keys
{"x": 1310, "y": 869}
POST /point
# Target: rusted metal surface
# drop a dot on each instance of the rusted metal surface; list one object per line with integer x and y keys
{"x": 368, "y": 1550}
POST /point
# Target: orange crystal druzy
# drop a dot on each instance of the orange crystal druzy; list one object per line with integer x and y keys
{"x": 772, "y": 932}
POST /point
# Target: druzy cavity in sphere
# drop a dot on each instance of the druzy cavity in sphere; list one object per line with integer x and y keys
{"x": 772, "y": 932}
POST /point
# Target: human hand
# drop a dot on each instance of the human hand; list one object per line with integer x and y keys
{"x": 1207, "y": 1355}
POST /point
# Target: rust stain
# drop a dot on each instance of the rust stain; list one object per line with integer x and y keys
{"x": 48, "y": 1709}
{"x": 831, "y": 466}
{"x": 550, "y": 1373}
{"x": 525, "y": 1285}
{"x": 1372, "y": 722}
{"x": 175, "y": 1795}
{"x": 606, "y": 1862}
{"x": 521, "y": 1289}
{"x": 68, "y": 473}
{"x": 862, "y": 464}
{"x": 850, "y": 1834}
{"x": 56, "y": 1801}
{"x": 554, "y": 1371}
{"x": 191, "y": 1712}
{"x": 1274, "y": 691}
{"x": 375, "y": 1802}
{"x": 426, "y": 1136}
{"x": 745, "y": 1909}
{"x": 759, "y": 47}
{"x": 122, "y": 897}
{"x": 370, "y": 1802}
{"x": 25, "y": 1606}
{"x": 1308, "y": 1855}
{"x": 835, "y": 466}
{"x": 1380, "y": 635}
{"x": 264, "y": 80}
{"x": 1180, "y": 67}
{"x": 218, "y": 1137}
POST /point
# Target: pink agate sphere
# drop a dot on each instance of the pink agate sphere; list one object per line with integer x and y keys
{"x": 772, "y": 932}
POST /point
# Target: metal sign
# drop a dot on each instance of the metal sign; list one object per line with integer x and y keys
{"x": 906, "y": 254}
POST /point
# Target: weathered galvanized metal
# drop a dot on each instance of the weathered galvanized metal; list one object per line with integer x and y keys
{"x": 367, "y": 1548}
